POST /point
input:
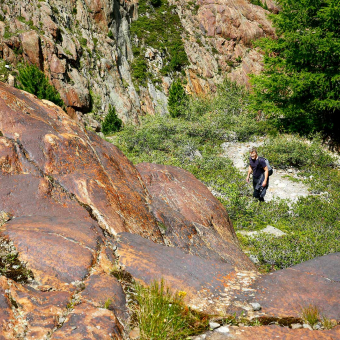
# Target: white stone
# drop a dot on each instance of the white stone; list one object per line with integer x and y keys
{"x": 296, "y": 325}
{"x": 273, "y": 231}
{"x": 214, "y": 325}
{"x": 256, "y": 306}
{"x": 223, "y": 329}
{"x": 305, "y": 325}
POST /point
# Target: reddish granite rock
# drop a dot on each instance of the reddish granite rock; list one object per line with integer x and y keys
{"x": 102, "y": 288}
{"x": 6, "y": 313}
{"x": 102, "y": 180}
{"x": 204, "y": 281}
{"x": 276, "y": 332}
{"x": 88, "y": 322}
{"x": 192, "y": 217}
{"x": 284, "y": 293}
{"x": 58, "y": 250}
{"x": 31, "y": 47}
{"x": 40, "y": 311}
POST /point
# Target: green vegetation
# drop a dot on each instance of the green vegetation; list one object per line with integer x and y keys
{"x": 290, "y": 150}
{"x": 259, "y": 3}
{"x": 32, "y": 80}
{"x": 157, "y": 26}
{"x": 10, "y": 265}
{"x": 193, "y": 141}
{"x": 177, "y": 99}
{"x": 111, "y": 122}
{"x": 162, "y": 314}
{"x": 300, "y": 88}
{"x": 310, "y": 315}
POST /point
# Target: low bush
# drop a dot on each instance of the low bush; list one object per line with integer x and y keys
{"x": 162, "y": 314}
{"x": 291, "y": 150}
{"x": 194, "y": 140}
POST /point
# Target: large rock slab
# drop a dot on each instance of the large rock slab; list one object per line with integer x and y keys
{"x": 204, "y": 281}
{"x": 55, "y": 146}
{"x": 88, "y": 322}
{"x": 58, "y": 250}
{"x": 283, "y": 294}
{"x": 192, "y": 218}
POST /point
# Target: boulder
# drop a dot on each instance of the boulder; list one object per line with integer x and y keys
{"x": 192, "y": 218}
{"x": 31, "y": 46}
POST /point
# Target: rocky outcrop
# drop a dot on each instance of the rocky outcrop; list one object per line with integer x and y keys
{"x": 85, "y": 48}
{"x": 218, "y": 40}
{"x": 74, "y": 211}
{"x": 65, "y": 195}
{"x": 191, "y": 217}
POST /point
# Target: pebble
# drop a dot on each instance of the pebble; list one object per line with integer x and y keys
{"x": 254, "y": 259}
{"x": 296, "y": 325}
{"x": 223, "y": 329}
{"x": 214, "y": 325}
{"x": 305, "y": 325}
{"x": 256, "y": 306}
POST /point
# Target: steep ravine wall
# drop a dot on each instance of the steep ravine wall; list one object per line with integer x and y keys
{"x": 86, "y": 49}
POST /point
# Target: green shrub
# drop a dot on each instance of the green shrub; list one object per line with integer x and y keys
{"x": 32, "y": 80}
{"x": 290, "y": 150}
{"x": 111, "y": 122}
{"x": 156, "y": 3}
{"x": 193, "y": 141}
{"x": 110, "y": 34}
{"x": 177, "y": 99}
{"x": 159, "y": 26}
{"x": 139, "y": 69}
{"x": 162, "y": 314}
{"x": 83, "y": 42}
{"x": 310, "y": 314}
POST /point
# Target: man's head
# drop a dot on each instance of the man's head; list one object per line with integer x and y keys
{"x": 253, "y": 153}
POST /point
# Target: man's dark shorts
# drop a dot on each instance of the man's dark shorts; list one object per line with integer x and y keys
{"x": 257, "y": 193}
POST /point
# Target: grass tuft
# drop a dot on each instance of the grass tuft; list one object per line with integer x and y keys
{"x": 162, "y": 314}
{"x": 310, "y": 314}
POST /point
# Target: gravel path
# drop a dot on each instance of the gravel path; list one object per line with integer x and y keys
{"x": 279, "y": 186}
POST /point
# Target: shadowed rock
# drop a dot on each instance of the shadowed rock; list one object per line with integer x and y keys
{"x": 192, "y": 218}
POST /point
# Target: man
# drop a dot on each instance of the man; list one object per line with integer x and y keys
{"x": 258, "y": 167}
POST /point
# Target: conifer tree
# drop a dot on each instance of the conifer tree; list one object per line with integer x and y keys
{"x": 34, "y": 81}
{"x": 111, "y": 122}
{"x": 300, "y": 85}
{"x": 178, "y": 99}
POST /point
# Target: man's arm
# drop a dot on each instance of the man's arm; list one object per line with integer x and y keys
{"x": 250, "y": 170}
{"x": 265, "y": 176}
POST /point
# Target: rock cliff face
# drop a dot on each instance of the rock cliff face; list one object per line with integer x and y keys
{"x": 86, "y": 50}
{"x": 73, "y": 210}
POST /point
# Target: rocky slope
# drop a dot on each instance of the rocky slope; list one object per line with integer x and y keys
{"x": 74, "y": 210}
{"x": 91, "y": 57}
